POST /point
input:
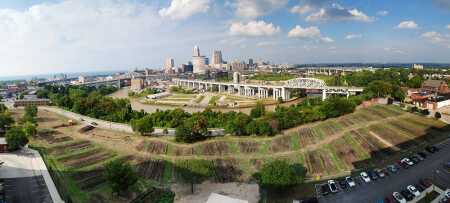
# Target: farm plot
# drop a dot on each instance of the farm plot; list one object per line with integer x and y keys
{"x": 151, "y": 169}
{"x": 347, "y": 152}
{"x": 213, "y": 148}
{"x": 53, "y": 137}
{"x": 226, "y": 170}
{"x": 184, "y": 151}
{"x": 319, "y": 163}
{"x": 280, "y": 144}
{"x": 392, "y": 136}
{"x": 248, "y": 147}
{"x": 372, "y": 145}
{"x": 88, "y": 160}
{"x": 71, "y": 146}
{"x": 328, "y": 128}
{"x": 153, "y": 147}
{"x": 88, "y": 180}
{"x": 307, "y": 137}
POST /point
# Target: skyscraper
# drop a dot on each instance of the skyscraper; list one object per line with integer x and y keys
{"x": 199, "y": 63}
{"x": 168, "y": 67}
{"x": 217, "y": 57}
{"x": 196, "y": 51}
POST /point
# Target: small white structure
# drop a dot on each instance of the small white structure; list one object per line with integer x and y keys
{"x": 217, "y": 198}
{"x": 159, "y": 95}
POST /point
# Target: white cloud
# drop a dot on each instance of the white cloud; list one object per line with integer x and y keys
{"x": 339, "y": 13}
{"x": 254, "y": 28}
{"x": 437, "y": 38}
{"x": 353, "y": 36}
{"x": 90, "y": 35}
{"x": 408, "y": 25}
{"x": 383, "y": 13}
{"x": 252, "y": 9}
{"x": 448, "y": 26}
{"x": 312, "y": 32}
{"x": 301, "y": 9}
{"x": 182, "y": 9}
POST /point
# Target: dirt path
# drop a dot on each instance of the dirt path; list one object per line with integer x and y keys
{"x": 385, "y": 142}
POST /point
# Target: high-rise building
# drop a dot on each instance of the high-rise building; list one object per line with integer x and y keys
{"x": 250, "y": 62}
{"x": 199, "y": 63}
{"x": 196, "y": 51}
{"x": 217, "y": 57}
{"x": 237, "y": 65}
{"x": 168, "y": 67}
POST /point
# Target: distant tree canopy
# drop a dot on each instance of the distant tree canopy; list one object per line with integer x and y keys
{"x": 280, "y": 174}
{"x": 120, "y": 176}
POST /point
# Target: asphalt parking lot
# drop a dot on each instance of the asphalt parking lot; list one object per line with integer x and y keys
{"x": 432, "y": 168}
{"x": 26, "y": 190}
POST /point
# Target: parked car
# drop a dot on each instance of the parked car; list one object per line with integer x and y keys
{"x": 350, "y": 182}
{"x": 390, "y": 199}
{"x": 398, "y": 197}
{"x": 422, "y": 154}
{"x": 392, "y": 168}
{"x": 414, "y": 159}
{"x": 324, "y": 190}
{"x": 333, "y": 186}
{"x": 408, "y": 195}
{"x": 342, "y": 184}
{"x": 372, "y": 175}
{"x": 421, "y": 158}
{"x": 365, "y": 177}
{"x": 419, "y": 188}
{"x": 413, "y": 190}
{"x": 407, "y": 161}
{"x": 432, "y": 149}
{"x": 380, "y": 173}
{"x": 403, "y": 164}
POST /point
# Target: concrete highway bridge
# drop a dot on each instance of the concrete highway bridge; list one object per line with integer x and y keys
{"x": 267, "y": 91}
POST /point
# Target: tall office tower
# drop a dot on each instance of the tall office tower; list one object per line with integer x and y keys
{"x": 217, "y": 57}
{"x": 196, "y": 51}
{"x": 199, "y": 63}
{"x": 250, "y": 62}
{"x": 168, "y": 67}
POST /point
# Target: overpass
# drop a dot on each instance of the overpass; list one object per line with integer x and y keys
{"x": 267, "y": 91}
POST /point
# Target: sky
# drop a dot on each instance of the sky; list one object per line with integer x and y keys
{"x": 54, "y": 36}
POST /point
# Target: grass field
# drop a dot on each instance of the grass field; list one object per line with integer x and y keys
{"x": 365, "y": 138}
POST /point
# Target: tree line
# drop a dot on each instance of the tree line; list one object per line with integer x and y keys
{"x": 18, "y": 133}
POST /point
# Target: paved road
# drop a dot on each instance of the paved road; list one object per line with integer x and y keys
{"x": 431, "y": 168}
{"x": 26, "y": 178}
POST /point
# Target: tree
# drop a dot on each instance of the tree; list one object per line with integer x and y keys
{"x": 120, "y": 176}
{"x": 194, "y": 171}
{"x": 30, "y": 114}
{"x": 16, "y": 138}
{"x": 379, "y": 88}
{"x": 279, "y": 174}
{"x": 143, "y": 125}
{"x": 258, "y": 111}
{"x": 5, "y": 121}
{"x": 437, "y": 115}
{"x": 237, "y": 124}
{"x": 29, "y": 129}
{"x": 192, "y": 130}
{"x": 337, "y": 106}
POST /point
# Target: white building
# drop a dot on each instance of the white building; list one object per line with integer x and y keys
{"x": 417, "y": 66}
{"x": 168, "y": 66}
{"x": 199, "y": 63}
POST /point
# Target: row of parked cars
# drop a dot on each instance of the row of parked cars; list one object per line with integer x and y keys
{"x": 379, "y": 173}
{"x": 409, "y": 193}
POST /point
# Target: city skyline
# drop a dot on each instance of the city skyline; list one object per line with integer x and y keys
{"x": 44, "y": 36}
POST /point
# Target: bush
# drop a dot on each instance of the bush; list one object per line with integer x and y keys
{"x": 120, "y": 176}
{"x": 280, "y": 174}
{"x": 16, "y": 138}
{"x": 425, "y": 112}
{"x": 437, "y": 115}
